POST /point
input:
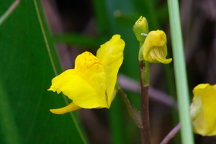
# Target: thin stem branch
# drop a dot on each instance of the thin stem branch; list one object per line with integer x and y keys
{"x": 171, "y": 134}
{"x": 9, "y": 11}
{"x": 134, "y": 114}
{"x": 156, "y": 95}
{"x": 144, "y": 107}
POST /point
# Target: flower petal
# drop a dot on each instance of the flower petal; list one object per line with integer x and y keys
{"x": 111, "y": 56}
{"x": 85, "y": 84}
{"x": 69, "y": 108}
{"x": 203, "y": 110}
{"x": 91, "y": 69}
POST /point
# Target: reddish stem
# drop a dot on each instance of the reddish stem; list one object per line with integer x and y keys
{"x": 145, "y": 130}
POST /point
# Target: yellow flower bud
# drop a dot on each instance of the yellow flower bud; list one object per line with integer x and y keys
{"x": 203, "y": 108}
{"x": 155, "y": 48}
{"x": 91, "y": 83}
{"x": 140, "y": 27}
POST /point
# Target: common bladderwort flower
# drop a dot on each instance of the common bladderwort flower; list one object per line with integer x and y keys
{"x": 203, "y": 110}
{"x": 153, "y": 44}
{"x": 91, "y": 84}
{"x": 155, "y": 48}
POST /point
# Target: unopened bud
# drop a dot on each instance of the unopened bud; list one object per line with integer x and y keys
{"x": 140, "y": 29}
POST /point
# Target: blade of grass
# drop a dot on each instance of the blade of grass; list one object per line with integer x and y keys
{"x": 55, "y": 65}
{"x": 180, "y": 72}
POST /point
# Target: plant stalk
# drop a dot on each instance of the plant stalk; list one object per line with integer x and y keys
{"x": 134, "y": 114}
{"x": 145, "y": 130}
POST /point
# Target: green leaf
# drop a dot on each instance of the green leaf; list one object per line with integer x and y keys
{"x": 28, "y": 62}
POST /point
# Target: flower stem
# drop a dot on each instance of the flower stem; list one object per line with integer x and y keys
{"x": 156, "y": 95}
{"x": 134, "y": 114}
{"x": 144, "y": 83}
{"x": 171, "y": 134}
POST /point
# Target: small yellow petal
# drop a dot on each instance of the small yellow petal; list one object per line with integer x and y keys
{"x": 69, "y": 108}
{"x": 110, "y": 55}
{"x": 155, "y": 49}
{"x": 203, "y": 110}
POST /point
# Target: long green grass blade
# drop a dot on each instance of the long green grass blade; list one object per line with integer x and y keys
{"x": 180, "y": 72}
{"x": 28, "y": 62}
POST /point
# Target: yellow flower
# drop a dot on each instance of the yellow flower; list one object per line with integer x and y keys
{"x": 155, "y": 48}
{"x": 203, "y": 110}
{"x": 91, "y": 84}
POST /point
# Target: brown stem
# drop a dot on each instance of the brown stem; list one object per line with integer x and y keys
{"x": 154, "y": 94}
{"x": 134, "y": 114}
{"x": 171, "y": 134}
{"x": 144, "y": 108}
